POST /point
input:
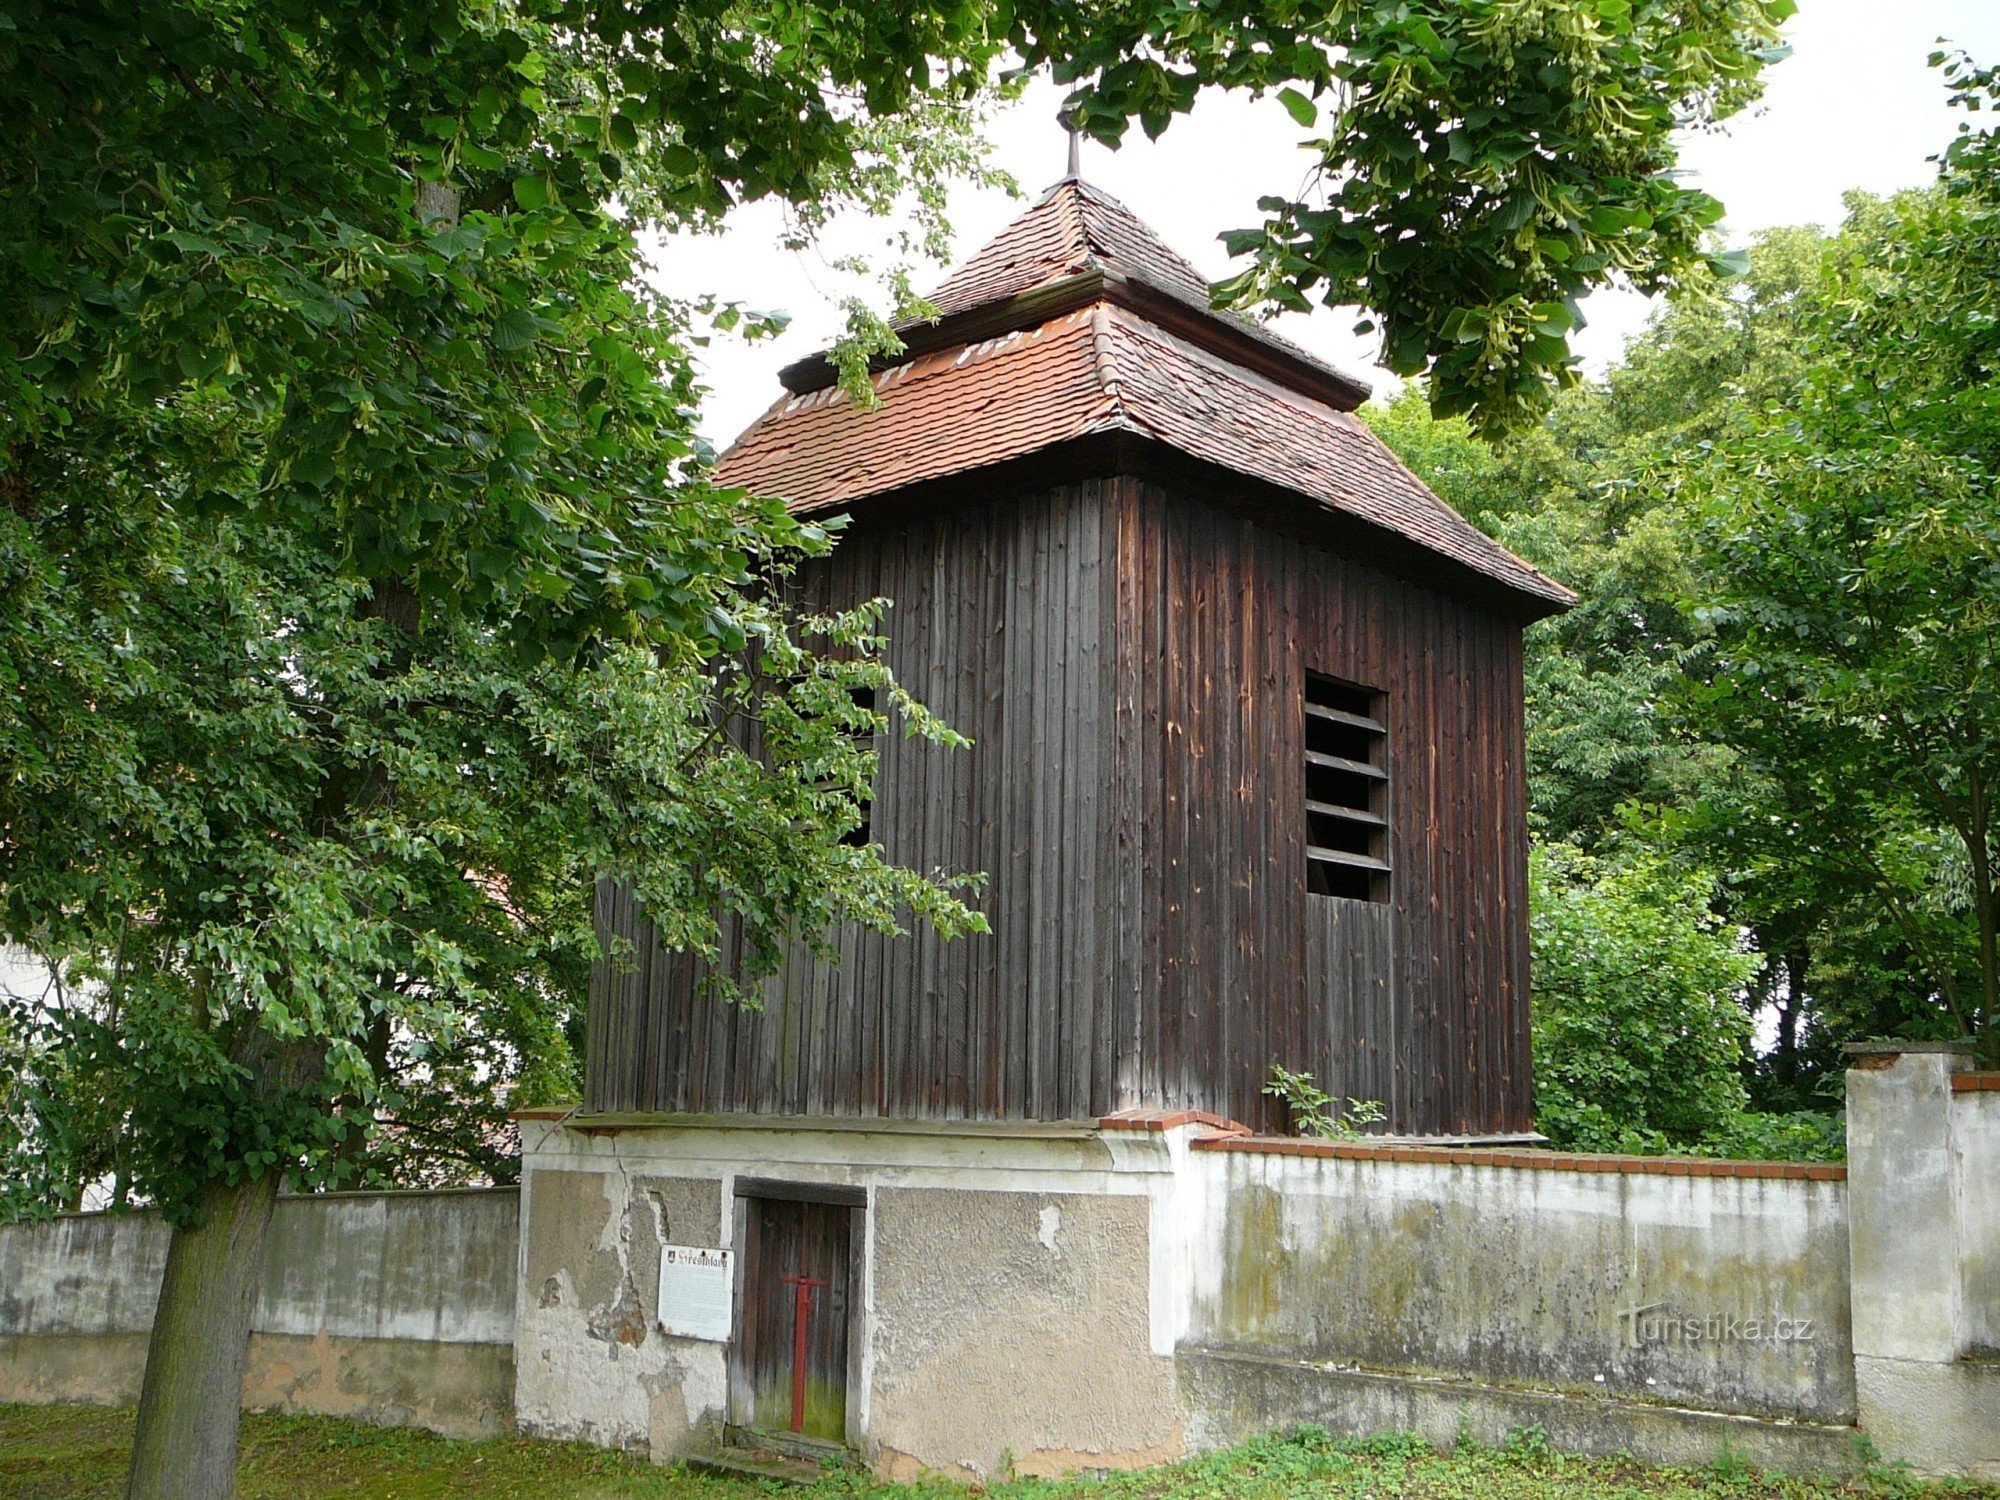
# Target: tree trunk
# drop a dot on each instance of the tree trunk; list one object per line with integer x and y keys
{"x": 1789, "y": 1016}
{"x": 192, "y": 1395}
{"x": 185, "y": 1446}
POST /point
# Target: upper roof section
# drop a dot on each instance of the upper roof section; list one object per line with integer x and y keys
{"x": 1071, "y": 228}
{"x": 1079, "y": 321}
{"x": 1076, "y": 245}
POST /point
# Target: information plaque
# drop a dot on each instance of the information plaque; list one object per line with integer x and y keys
{"x": 694, "y": 1291}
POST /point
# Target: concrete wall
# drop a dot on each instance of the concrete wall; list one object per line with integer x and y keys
{"x": 1724, "y": 1293}
{"x": 1924, "y": 1151}
{"x": 1008, "y": 1284}
{"x": 1976, "y": 1137}
{"x": 395, "y": 1308}
{"x": 1061, "y": 1298}
{"x": 591, "y": 1362}
{"x": 1015, "y": 1325}
{"x": 1618, "y": 1304}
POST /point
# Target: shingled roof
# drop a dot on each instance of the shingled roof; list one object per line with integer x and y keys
{"x": 1077, "y": 320}
{"x": 1070, "y": 228}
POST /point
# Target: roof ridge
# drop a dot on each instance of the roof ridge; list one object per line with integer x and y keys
{"x": 1090, "y": 194}
{"x": 1077, "y": 225}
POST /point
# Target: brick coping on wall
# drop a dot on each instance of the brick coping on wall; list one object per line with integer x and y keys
{"x": 1539, "y": 1161}
{"x": 1170, "y": 1119}
{"x": 1975, "y": 1083}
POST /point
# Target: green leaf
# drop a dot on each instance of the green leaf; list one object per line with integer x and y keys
{"x": 1554, "y": 317}
{"x": 549, "y": 585}
{"x": 1730, "y": 265}
{"x": 1515, "y": 213}
{"x": 515, "y": 329}
{"x": 1302, "y": 110}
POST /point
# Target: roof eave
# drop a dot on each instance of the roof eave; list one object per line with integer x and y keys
{"x": 1117, "y": 446}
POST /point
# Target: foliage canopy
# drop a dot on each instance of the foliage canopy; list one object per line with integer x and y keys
{"x": 1779, "y": 510}
{"x": 349, "y": 466}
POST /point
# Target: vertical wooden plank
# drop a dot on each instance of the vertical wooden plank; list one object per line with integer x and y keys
{"x": 1083, "y": 780}
{"x": 597, "y": 998}
{"x": 1020, "y": 988}
{"x": 1519, "y": 1007}
{"x": 1119, "y": 1044}
{"x": 990, "y": 996}
{"x": 1053, "y": 783}
{"x": 947, "y": 846}
{"x": 906, "y": 964}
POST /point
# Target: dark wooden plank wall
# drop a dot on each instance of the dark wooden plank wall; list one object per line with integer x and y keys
{"x": 1129, "y": 662}
{"x": 1421, "y": 1003}
{"x": 999, "y": 625}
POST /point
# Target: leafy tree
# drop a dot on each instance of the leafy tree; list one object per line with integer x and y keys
{"x": 1865, "y": 464}
{"x": 364, "y": 598}
{"x": 1852, "y": 583}
{"x": 1638, "y": 1034}
{"x": 1481, "y": 167}
{"x": 1606, "y": 494}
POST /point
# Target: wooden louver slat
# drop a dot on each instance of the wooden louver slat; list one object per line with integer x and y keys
{"x": 1351, "y": 861}
{"x": 1341, "y": 716}
{"x": 1346, "y": 814}
{"x": 1341, "y": 763}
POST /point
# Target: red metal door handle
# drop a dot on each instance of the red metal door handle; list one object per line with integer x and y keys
{"x": 802, "y": 1300}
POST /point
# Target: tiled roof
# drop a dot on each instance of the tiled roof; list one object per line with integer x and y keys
{"x": 1100, "y": 369}
{"x": 940, "y": 414}
{"x": 1076, "y": 227}
{"x": 1071, "y": 228}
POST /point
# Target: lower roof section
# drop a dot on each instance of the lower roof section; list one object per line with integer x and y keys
{"x": 1104, "y": 370}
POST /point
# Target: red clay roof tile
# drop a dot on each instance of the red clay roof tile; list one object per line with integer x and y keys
{"x": 1071, "y": 228}
{"x": 1105, "y": 367}
{"x": 1099, "y": 369}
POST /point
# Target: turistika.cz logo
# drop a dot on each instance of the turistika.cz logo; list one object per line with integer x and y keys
{"x": 1653, "y": 1324}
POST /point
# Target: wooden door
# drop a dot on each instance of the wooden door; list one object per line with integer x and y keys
{"x": 792, "y": 1347}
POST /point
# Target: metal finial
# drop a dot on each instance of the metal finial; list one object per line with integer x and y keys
{"x": 1067, "y": 119}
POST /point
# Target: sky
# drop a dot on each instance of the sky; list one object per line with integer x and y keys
{"x": 1854, "y": 106}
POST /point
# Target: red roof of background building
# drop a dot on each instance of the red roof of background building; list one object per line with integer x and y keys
{"x": 1213, "y": 386}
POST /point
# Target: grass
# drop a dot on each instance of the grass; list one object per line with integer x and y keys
{"x": 48, "y": 1452}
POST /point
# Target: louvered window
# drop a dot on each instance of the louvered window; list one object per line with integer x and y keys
{"x": 860, "y": 835}
{"x": 1347, "y": 791}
